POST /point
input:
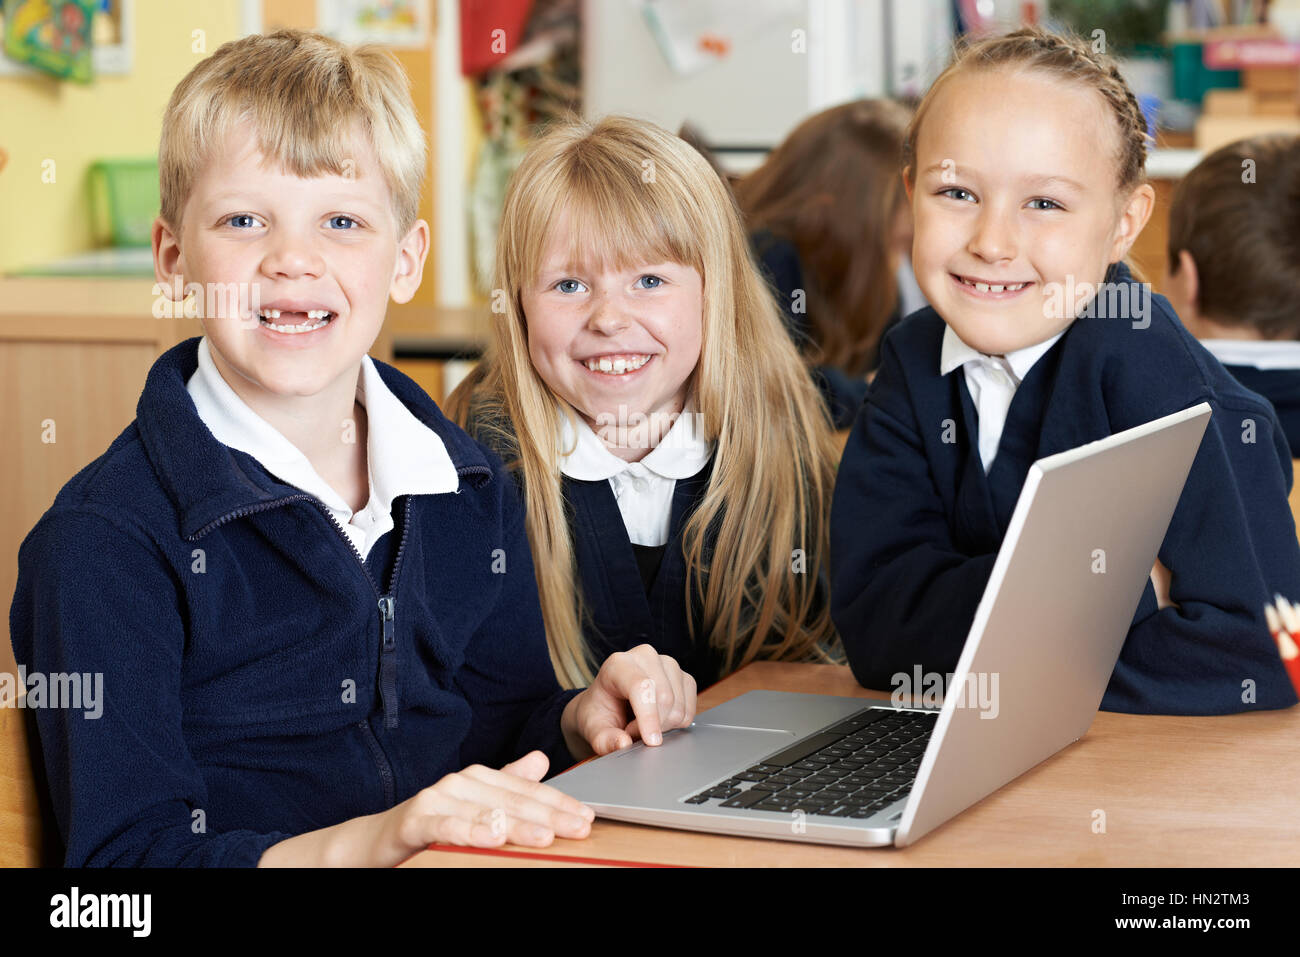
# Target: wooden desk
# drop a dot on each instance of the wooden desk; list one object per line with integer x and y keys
{"x": 1176, "y": 792}
{"x": 20, "y": 806}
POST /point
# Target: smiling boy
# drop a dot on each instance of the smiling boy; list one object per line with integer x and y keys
{"x": 323, "y": 282}
{"x": 310, "y": 595}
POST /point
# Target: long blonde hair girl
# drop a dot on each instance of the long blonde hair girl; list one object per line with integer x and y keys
{"x": 634, "y": 193}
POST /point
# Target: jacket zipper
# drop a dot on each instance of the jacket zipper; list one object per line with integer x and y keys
{"x": 387, "y": 605}
{"x": 381, "y": 762}
{"x": 388, "y": 662}
{"x": 245, "y": 511}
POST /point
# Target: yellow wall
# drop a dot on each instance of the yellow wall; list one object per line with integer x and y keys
{"x": 116, "y": 116}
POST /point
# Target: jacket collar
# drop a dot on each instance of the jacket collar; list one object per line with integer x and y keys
{"x": 210, "y": 482}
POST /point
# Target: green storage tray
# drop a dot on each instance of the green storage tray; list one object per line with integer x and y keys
{"x": 124, "y": 201}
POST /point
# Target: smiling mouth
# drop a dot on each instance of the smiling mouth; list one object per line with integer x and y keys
{"x": 983, "y": 286}
{"x": 620, "y": 364}
{"x": 295, "y": 323}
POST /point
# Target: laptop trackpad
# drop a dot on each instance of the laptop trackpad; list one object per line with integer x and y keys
{"x": 687, "y": 761}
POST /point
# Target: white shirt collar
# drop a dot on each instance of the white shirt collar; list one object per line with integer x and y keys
{"x": 643, "y": 490}
{"x": 1260, "y": 353}
{"x": 681, "y": 452}
{"x": 404, "y": 456}
{"x": 955, "y": 353}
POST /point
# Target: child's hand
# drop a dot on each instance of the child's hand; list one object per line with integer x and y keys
{"x": 1161, "y": 579}
{"x": 652, "y": 686}
{"x": 477, "y": 807}
{"x": 480, "y": 807}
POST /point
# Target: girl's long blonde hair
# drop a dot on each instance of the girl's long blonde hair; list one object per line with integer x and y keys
{"x": 634, "y": 193}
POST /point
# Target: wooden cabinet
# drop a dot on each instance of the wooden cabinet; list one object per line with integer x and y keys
{"x": 74, "y": 354}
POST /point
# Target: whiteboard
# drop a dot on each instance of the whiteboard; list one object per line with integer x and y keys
{"x": 751, "y": 97}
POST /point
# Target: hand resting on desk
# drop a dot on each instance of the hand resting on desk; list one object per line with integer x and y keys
{"x": 482, "y": 807}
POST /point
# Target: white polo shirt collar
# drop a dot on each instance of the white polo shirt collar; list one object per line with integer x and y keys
{"x": 1266, "y": 354}
{"x": 404, "y": 456}
{"x": 643, "y": 489}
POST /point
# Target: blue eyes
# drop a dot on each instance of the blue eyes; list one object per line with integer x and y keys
{"x": 966, "y": 196}
{"x": 247, "y": 221}
{"x": 570, "y": 286}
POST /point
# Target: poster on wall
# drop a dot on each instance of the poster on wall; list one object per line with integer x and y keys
{"x": 394, "y": 23}
{"x": 53, "y": 36}
{"x": 111, "y": 38}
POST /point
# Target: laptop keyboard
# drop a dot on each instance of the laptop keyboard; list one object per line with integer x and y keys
{"x": 852, "y": 770}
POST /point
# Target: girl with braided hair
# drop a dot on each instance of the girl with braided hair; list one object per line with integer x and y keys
{"x": 1024, "y": 168}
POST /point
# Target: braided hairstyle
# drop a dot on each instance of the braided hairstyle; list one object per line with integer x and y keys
{"x": 1067, "y": 56}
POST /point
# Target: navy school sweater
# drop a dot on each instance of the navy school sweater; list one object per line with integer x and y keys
{"x": 916, "y": 523}
{"x": 779, "y": 261}
{"x": 259, "y": 680}
{"x": 1282, "y": 388}
{"x": 621, "y": 612}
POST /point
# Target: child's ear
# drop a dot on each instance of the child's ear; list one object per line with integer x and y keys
{"x": 1132, "y": 219}
{"x": 411, "y": 253}
{"x": 907, "y": 183}
{"x": 166, "y": 255}
{"x": 1183, "y": 283}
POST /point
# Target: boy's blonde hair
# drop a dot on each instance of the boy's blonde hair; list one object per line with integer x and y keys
{"x": 302, "y": 92}
{"x": 633, "y": 193}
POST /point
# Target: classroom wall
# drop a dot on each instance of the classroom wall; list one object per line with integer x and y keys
{"x": 116, "y": 116}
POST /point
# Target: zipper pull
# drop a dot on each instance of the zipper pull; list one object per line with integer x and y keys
{"x": 388, "y": 660}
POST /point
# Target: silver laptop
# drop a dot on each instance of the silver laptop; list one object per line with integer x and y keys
{"x": 1040, "y": 651}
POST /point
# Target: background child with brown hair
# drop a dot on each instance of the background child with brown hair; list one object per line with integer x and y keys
{"x": 831, "y": 227}
{"x": 1234, "y": 266}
